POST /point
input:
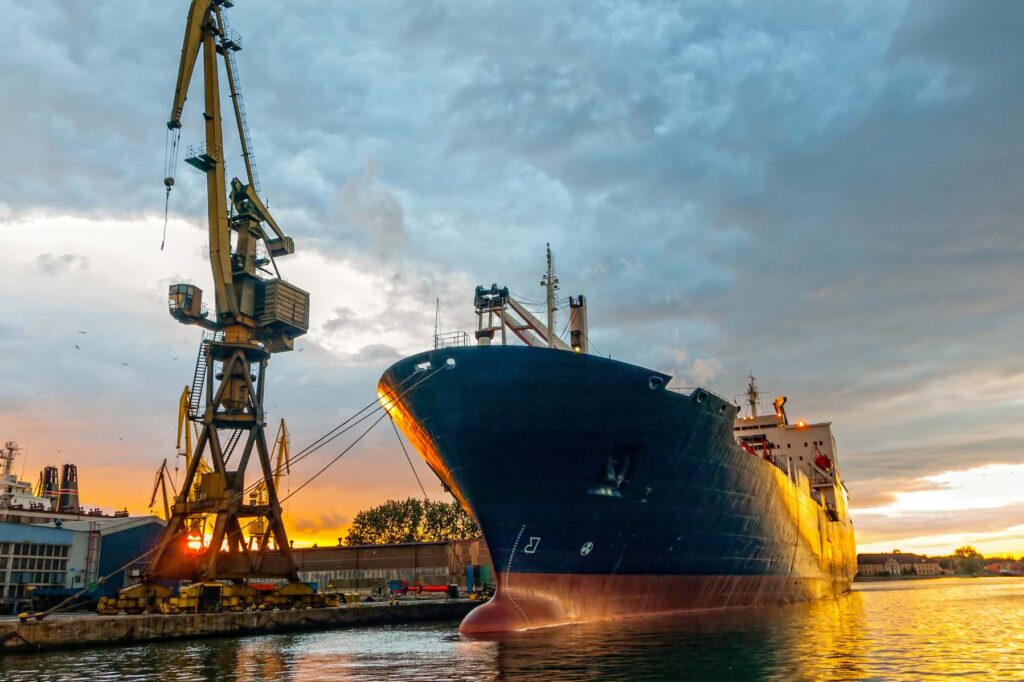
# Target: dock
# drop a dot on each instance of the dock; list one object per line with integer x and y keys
{"x": 90, "y": 630}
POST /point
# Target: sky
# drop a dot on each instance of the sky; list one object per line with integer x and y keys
{"x": 825, "y": 194}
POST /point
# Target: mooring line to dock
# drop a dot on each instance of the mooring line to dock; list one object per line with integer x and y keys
{"x": 307, "y": 451}
{"x": 408, "y": 458}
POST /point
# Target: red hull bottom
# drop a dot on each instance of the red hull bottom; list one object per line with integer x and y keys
{"x": 534, "y": 600}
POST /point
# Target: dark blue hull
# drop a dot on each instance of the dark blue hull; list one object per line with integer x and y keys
{"x": 587, "y": 468}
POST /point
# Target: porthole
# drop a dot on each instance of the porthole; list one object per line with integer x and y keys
{"x": 654, "y": 383}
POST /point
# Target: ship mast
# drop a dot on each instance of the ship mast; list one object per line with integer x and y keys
{"x": 8, "y": 454}
{"x": 752, "y": 394}
{"x": 550, "y": 282}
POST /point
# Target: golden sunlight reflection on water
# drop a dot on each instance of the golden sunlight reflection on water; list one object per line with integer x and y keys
{"x": 907, "y": 630}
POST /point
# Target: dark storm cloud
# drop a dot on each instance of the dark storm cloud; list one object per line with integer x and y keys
{"x": 826, "y": 194}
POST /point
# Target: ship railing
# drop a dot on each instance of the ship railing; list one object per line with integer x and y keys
{"x": 688, "y": 390}
{"x": 451, "y": 340}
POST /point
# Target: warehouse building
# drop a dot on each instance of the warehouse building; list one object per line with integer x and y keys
{"x": 71, "y": 554}
{"x": 367, "y": 568}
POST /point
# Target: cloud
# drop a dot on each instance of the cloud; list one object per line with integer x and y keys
{"x": 827, "y": 195}
{"x": 57, "y": 265}
{"x": 326, "y": 521}
{"x": 343, "y": 317}
{"x": 373, "y": 210}
{"x": 375, "y": 353}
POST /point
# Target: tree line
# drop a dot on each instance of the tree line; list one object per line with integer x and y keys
{"x": 412, "y": 520}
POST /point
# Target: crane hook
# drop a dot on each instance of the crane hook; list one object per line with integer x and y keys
{"x": 169, "y": 182}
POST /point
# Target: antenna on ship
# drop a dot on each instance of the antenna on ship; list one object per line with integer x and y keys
{"x": 437, "y": 318}
{"x": 8, "y": 454}
{"x": 550, "y": 282}
{"x": 752, "y": 394}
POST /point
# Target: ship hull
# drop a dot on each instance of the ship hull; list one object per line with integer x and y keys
{"x": 602, "y": 494}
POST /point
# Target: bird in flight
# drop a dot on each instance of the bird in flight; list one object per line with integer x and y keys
{"x": 124, "y": 364}
{"x": 76, "y": 347}
{"x": 82, "y": 332}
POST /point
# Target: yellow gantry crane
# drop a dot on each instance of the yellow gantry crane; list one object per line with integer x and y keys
{"x": 255, "y": 314}
{"x": 160, "y": 485}
{"x": 282, "y": 464}
{"x": 186, "y": 430}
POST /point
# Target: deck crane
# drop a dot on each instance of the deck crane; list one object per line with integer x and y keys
{"x": 256, "y": 313}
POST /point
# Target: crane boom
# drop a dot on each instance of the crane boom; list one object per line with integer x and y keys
{"x": 282, "y": 448}
{"x": 198, "y": 14}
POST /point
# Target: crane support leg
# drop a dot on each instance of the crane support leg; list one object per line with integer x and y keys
{"x": 236, "y": 404}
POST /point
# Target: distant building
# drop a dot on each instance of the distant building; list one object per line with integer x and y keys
{"x": 71, "y": 554}
{"x": 1007, "y": 567}
{"x": 896, "y": 563}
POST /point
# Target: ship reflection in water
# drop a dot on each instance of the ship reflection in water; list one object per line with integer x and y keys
{"x": 888, "y": 630}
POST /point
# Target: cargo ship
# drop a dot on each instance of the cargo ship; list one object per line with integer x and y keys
{"x": 603, "y": 491}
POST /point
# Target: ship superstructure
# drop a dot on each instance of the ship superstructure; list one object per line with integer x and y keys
{"x": 602, "y": 492}
{"x": 17, "y": 494}
{"x": 53, "y": 498}
{"x": 804, "y": 451}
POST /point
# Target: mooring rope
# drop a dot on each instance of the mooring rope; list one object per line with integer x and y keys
{"x": 309, "y": 450}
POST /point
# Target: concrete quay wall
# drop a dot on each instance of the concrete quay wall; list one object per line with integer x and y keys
{"x": 91, "y": 630}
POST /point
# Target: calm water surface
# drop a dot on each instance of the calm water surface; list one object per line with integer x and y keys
{"x": 951, "y": 627}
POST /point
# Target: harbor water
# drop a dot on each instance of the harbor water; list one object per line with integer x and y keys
{"x": 893, "y": 630}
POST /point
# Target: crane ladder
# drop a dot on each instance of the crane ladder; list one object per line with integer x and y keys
{"x": 231, "y": 42}
{"x": 195, "y": 401}
{"x": 229, "y": 448}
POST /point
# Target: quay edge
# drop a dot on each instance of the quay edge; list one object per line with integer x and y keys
{"x": 87, "y": 631}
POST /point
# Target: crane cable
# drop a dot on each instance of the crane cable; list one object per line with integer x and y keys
{"x": 171, "y": 140}
{"x": 64, "y": 605}
{"x": 308, "y": 450}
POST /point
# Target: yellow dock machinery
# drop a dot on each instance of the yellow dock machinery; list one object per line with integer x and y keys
{"x": 281, "y": 456}
{"x": 186, "y": 431}
{"x": 255, "y": 314}
{"x": 161, "y": 485}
